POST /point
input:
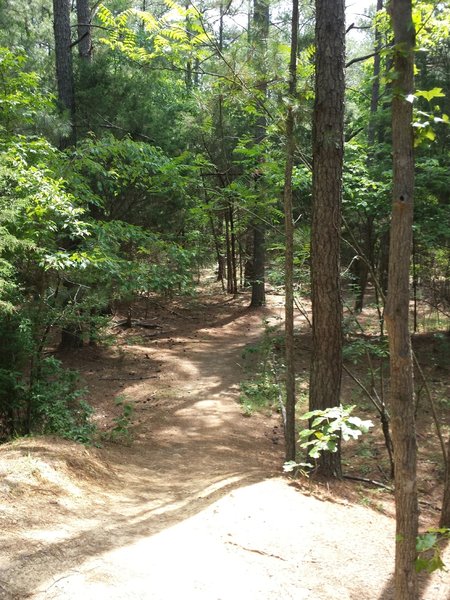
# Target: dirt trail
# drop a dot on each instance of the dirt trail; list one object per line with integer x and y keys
{"x": 194, "y": 508}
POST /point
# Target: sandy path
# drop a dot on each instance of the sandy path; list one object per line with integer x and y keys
{"x": 193, "y": 508}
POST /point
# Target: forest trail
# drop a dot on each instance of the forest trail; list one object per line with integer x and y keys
{"x": 195, "y": 506}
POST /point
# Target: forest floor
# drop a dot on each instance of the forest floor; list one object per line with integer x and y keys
{"x": 186, "y": 497}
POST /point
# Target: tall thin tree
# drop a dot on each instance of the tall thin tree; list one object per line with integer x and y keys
{"x": 64, "y": 65}
{"x": 328, "y": 148}
{"x": 289, "y": 250}
{"x": 84, "y": 30}
{"x": 397, "y": 303}
{"x": 260, "y": 34}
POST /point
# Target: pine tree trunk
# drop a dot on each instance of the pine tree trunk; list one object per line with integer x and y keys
{"x": 64, "y": 67}
{"x": 361, "y": 266}
{"x": 445, "y": 513}
{"x": 260, "y": 34}
{"x": 397, "y": 305}
{"x": 375, "y": 94}
{"x": 229, "y": 261}
{"x": 84, "y": 30}
{"x": 234, "y": 288}
{"x": 289, "y": 251}
{"x": 328, "y": 146}
{"x": 259, "y": 257}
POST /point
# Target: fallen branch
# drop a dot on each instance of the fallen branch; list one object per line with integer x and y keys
{"x": 371, "y": 481}
{"x": 256, "y": 551}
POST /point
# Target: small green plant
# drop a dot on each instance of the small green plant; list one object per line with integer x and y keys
{"x": 135, "y": 340}
{"x": 121, "y": 431}
{"x": 365, "y": 451}
{"x": 263, "y": 391}
{"x": 327, "y": 428}
{"x": 358, "y": 348}
{"x": 258, "y": 394}
{"x": 56, "y": 403}
{"x": 429, "y": 557}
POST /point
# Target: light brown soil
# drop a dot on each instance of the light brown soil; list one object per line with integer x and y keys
{"x": 195, "y": 507}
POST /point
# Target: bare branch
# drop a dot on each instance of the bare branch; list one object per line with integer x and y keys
{"x": 360, "y": 59}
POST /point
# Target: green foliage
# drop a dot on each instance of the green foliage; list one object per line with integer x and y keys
{"x": 130, "y": 181}
{"x": 57, "y": 404}
{"x": 48, "y": 401}
{"x": 121, "y": 433}
{"x": 327, "y": 427}
{"x": 167, "y": 36}
{"x": 262, "y": 392}
{"x": 21, "y": 102}
{"x": 357, "y": 348}
{"x": 364, "y": 190}
{"x": 147, "y": 105}
{"x": 302, "y": 252}
{"x": 429, "y": 555}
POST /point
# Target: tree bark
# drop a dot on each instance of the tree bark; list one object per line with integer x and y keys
{"x": 289, "y": 251}
{"x": 328, "y": 145}
{"x": 258, "y": 270}
{"x": 445, "y": 513}
{"x": 397, "y": 305}
{"x": 260, "y": 33}
{"x": 84, "y": 30}
{"x": 228, "y": 256}
{"x": 64, "y": 67}
{"x": 375, "y": 93}
{"x": 234, "y": 289}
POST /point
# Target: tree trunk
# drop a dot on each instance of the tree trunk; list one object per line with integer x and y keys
{"x": 248, "y": 267}
{"x": 361, "y": 268}
{"x": 260, "y": 34}
{"x": 229, "y": 261}
{"x": 328, "y": 145}
{"x": 445, "y": 513}
{"x": 188, "y": 73}
{"x": 233, "y": 250}
{"x": 397, "y": 305}
{"x": 289, "y": 251}
{"x": 71, "y": 338}
{"x": 64, "y": 67}
{"x": 375, "y": 95}
{"x": 258, "y": 271}
{"x": 84, "y": 30}
{"x": 219, "y": 253}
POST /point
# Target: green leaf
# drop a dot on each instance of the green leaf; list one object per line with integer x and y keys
{"x": 426, "y": 542}
{"x": 430, "y": 94}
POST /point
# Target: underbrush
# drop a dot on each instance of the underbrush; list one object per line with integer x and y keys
{"x": 262, "y": 391}
{"x": 51, "y": 401}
